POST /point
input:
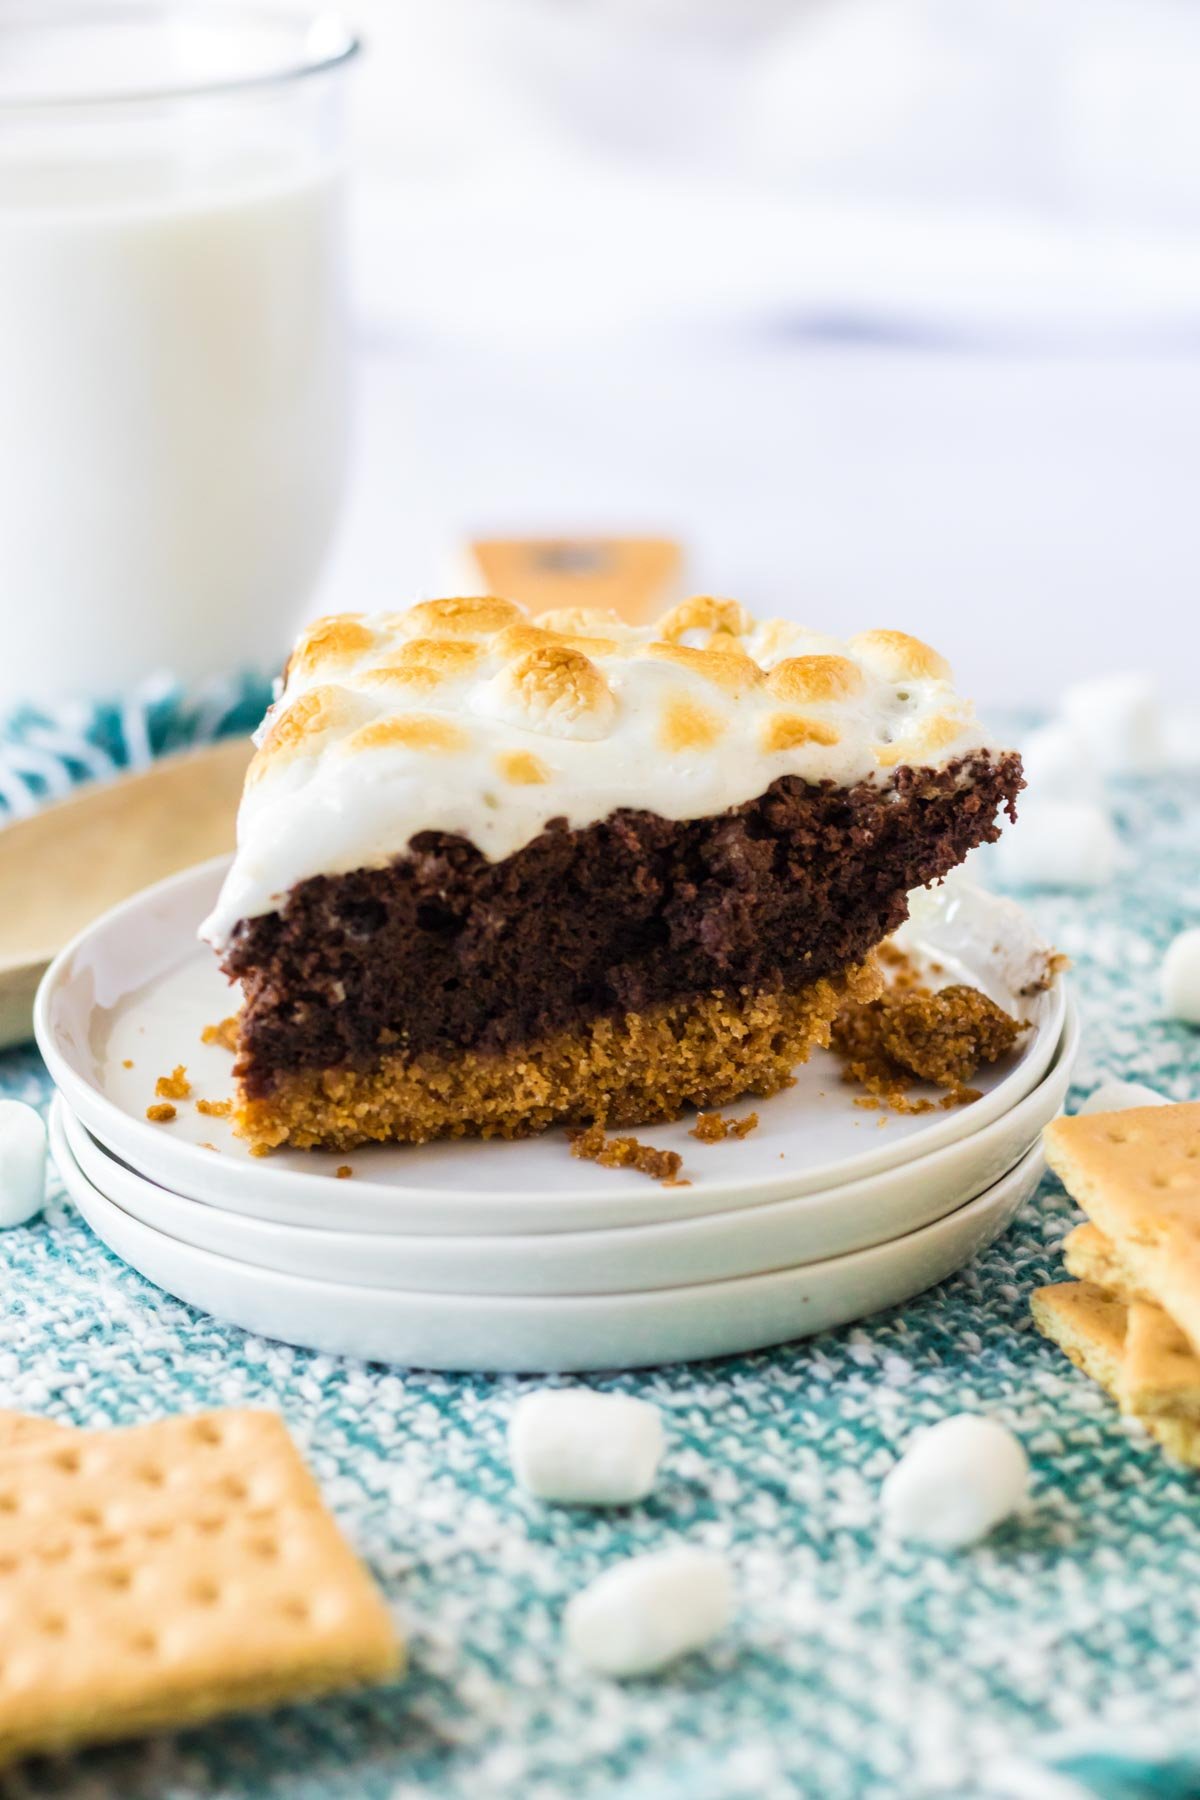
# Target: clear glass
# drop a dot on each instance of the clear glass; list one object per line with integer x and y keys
{"x": 172, "y": 336}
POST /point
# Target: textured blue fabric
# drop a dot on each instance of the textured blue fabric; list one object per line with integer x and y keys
{"x": 853, "y": 1668}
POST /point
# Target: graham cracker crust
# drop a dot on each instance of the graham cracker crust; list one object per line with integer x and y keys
{"x": 638, "y": 1068}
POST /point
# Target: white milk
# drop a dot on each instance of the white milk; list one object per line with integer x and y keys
{"x": 171, "y": 412}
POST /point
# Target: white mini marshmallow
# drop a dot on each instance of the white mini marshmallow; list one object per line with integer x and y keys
{"x": 585, "y": 1449}
{"x": 642, "y": 1614}
{"x": 1119, "y": 1096}
{"x": 1181, "y": 978}
{"x": 1120, "y": 718}
{"x": 1058, "y": 844}
{"x": 1059, "y": 766}
{"x": 22, "y": 1163}
{"x": 955, "y": 1482}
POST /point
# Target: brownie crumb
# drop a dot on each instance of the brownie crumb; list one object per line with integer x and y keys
{"x": 343, "y": 1171}
{"x": 711, "y": 1128}
{"x": 225, "y": 1034}
{"x": 174, "y": 1086}
{"x": 215, "y": 1109}
{"x": 625, "y": 1153}
{"x": 913, "y": 1033}
{"x": 162, "y": 1114}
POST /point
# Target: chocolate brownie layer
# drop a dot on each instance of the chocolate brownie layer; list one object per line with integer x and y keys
{"x": 444, "y": 951}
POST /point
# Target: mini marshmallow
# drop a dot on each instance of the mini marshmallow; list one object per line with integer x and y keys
{"x": 645, "y": 1612}
{"x": 955, "y": 1483}
{"x": 22, "y": 1163}
{"x": 1058, "y": 844}
{"x": 1119, "y": 717}
{"x": 585, "y": 1449}
{"x": 1181, "y": 978}
{"x": 1059, "y": 766}
{"x": 1119, "y": 1096}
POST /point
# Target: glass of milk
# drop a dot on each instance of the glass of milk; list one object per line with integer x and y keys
{"x": 172, "y": 336}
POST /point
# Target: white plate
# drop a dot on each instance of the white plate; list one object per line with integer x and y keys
{"x": 136, "y": 988}
{"x": 490, "y": 1333}
{"x": 749, "y": 1241}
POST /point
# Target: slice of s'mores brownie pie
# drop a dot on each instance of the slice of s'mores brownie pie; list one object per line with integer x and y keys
{"x": 496, "y": 872}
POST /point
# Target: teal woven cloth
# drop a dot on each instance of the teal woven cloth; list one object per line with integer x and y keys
{"x": 854, "y": 1668}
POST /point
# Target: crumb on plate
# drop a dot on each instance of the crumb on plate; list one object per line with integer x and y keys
{"x": 215, "y": 1109}
{"x": 914, "y": 1033}
{"x": 343, "y": 1171}
{"x": 161, "y": 1114}
{"x": 625, "y": 1153}
{"x": 224, "y": 1034}
{"x": 713, "y": 1128}
{"x": 174, "y": 1086}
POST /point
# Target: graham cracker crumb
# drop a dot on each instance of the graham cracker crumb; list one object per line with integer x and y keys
{"x": 161, "y": 1115}
{"x": 914, "y": 1033}
{"x": 215, "y": 1109}
{"x": 208, "y": 1147}
{"x": 591, "y": 1145}
{"x": 225, "y": 1034}
{"x": 128, "y": 1063}
{"x": 711, "y": 1128}
{"x": 343, "y": 1171}
{"x": 174, "y": 1086}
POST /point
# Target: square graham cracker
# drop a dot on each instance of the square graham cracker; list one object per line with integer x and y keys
{"x": 157, "y": 1576}
{"x": 1091, "y": 1327}
{"x": 1136, "y": 1175}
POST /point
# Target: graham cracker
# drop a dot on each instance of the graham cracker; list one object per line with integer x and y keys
{"x": 1090, "y": 1256}
{"x": 1087, "y": 1324}
{"x": 1160, "y": 1372}
{"x": 1092, "y": 1328}
{"x": 160, "y": 1575}
{"x": 1137, "y": 1176}
{"x": 20, "y": 1428}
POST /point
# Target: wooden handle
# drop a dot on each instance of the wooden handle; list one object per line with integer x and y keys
{"x": 636, "y": 577}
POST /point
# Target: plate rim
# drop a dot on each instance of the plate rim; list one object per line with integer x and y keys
{"x": 156, "y": 1150}
{"x": 715, "y": 1247}
{"x": 588, "y": 1239}
{"x": 644, "y": 1299}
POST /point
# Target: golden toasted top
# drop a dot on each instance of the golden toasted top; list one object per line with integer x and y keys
{"x": 573, "y": 674}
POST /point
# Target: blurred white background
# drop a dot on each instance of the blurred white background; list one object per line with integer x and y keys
{"x": 890, "y": 309}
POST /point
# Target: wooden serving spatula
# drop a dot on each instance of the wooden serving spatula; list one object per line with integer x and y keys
{"x": 77, "y": 857}
{"x": 637, "y": 577}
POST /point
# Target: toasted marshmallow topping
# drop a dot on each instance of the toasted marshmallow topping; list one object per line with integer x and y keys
{"x": 466, "y": 716}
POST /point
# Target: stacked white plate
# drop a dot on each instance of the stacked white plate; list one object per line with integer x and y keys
{"x": 497, "y": 1256}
